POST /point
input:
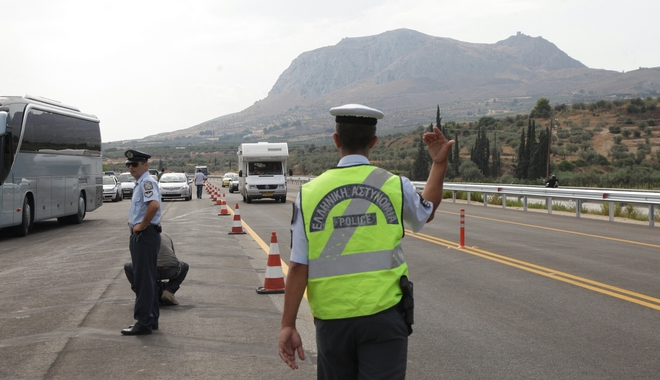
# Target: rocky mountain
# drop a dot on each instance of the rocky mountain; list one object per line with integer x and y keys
{"x": 408, "y": 74}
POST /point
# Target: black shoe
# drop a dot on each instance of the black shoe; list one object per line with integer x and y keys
{"x": 152, "y": 327}
{"x": 135, "y": 331}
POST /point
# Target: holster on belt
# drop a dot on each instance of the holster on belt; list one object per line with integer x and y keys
{"x": 407, "y": 303}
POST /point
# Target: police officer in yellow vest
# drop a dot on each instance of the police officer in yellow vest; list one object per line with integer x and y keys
{"x": 346, "y": 250}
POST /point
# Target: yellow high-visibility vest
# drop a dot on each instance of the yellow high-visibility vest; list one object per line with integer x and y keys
{"x": 353, "y": 221}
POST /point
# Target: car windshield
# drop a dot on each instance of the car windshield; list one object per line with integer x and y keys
{"x": 108, "y": 181}
{"x": 126, "y": 177}
{"x": 174, "y": 177}
{"x": 229, "y": 176}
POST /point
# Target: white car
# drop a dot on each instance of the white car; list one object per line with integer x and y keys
{"x": 111, "y": 189}
{"x": 233, "y": 184}
{"x": 127, "y": 184}
{"x": 226, "y": 179}
{"x": 175, "y": 185}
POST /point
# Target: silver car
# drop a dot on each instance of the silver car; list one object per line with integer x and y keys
{"x": 175, "y": 186}
{"x": 127, "y": 184}
{"x": 111, "y": 189}
{"x": 233, "y": 184}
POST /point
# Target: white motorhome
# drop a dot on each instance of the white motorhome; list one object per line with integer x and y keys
{"x": 262, "y": 170}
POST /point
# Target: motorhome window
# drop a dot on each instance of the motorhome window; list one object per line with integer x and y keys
{"x": 46, "y": 131}
{"x": 265, "y": 168}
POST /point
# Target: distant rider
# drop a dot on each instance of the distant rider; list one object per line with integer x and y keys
{"x": 552, "y": 182}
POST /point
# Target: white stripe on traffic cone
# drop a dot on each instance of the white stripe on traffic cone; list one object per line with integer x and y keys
{"x": 237, "y": 226}
{"x": 274, "y": 281}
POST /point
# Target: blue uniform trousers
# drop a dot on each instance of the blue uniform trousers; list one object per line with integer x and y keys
{"x": 144, "y": 248}
{"x": 365, "y": 348}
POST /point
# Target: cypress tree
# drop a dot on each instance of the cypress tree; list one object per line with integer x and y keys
{"x": 496, "y": 167}
{"x": 523, "y": 163}
{"x": 481, "y": 151}
{"x": 530, "y": 147}
{"x": 420, "y": 169}
{"x": 539, "y": 162}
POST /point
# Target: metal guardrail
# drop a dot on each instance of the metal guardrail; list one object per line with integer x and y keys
{"x": 524, "y": 193}
{"x": 648, "y": 198}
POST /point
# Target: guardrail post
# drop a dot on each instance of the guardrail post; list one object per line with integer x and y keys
{"x": 578, "y": 208}
{"x": 485, "y": 199}
{"x": 611, "y": 211}
{"x": 652, "y": 215}
{"x": 548, "y": 202}
{"x": 453, "y": 196}
{"x": 468, "y": 197}
{"x": 525, "y": 203}
{"x": 503, "y": 200}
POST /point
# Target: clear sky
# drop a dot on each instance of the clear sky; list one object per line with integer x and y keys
{"x": 151, "y": 66}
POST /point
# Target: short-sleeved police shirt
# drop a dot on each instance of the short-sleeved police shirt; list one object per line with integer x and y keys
{"x": 145, "y": 191}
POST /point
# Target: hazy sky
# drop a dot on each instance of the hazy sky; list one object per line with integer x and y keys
{"x": 146, "y": 66}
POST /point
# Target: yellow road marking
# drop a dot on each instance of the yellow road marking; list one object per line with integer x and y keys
{"x": 627, "y": 295}
{"x": 260, "y": 242}
{"x": 558, "y": 230}
{"x": 599, "y": 287}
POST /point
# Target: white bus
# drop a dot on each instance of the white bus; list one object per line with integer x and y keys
{"x": 50, "y": 162}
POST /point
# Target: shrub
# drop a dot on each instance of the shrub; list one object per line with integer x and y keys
{"x": 615, "y": 129}
{"x": 565, "y": 166}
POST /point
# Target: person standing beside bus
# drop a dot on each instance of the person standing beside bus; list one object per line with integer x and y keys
{"x": 346, "y": 250}
{"x": 144, "y": 225}
{"x": 199, "y": 182}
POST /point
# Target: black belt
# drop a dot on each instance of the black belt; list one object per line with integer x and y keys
{"x": 158, "y": 228}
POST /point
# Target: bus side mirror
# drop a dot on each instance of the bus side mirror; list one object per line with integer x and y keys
{"x": 3, "y": 123}
{"x": 290, "y": 172}
{"x": 240, "y": 173}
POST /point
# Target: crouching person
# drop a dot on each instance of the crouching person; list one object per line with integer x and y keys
{"x": 169, "y": 268}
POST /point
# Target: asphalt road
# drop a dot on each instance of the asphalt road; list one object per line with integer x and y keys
{"x": 530, "y": 296}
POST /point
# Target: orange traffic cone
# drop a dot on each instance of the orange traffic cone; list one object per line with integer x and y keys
{"x": 223, "y": 208}
{"x": 237, "y": 226}
{"x": 274, "y": 281}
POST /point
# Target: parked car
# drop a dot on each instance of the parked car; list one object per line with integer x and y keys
{"x": 227, "y": 178}
{"x": 233, "y": 184}
{"x": 156, "y": 173}
{"x": 111, "y": 189}
{"x": 175, "y": 185}
{"x": 127, "y": 184}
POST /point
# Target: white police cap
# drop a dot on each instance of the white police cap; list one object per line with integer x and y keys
{"x": 356, "y": 114}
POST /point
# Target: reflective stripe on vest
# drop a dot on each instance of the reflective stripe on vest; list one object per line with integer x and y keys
{"x": 354, "y": 229}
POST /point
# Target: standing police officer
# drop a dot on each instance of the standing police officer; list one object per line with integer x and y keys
{"x": 143, "y": 221}
{"x": 346, "y": 249}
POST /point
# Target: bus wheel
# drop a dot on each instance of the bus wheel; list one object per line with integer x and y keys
{"x": 82, "y": 211}
{"x": 26, "y": 222}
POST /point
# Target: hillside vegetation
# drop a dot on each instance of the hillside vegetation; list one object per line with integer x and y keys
{"x": 603, "y": 144}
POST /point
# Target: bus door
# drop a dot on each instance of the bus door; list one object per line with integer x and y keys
{"x": 7, "y": 188}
